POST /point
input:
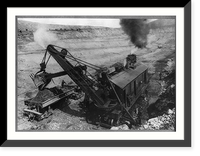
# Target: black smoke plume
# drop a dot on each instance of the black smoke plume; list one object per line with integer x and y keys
{"x": 137, "y": 30}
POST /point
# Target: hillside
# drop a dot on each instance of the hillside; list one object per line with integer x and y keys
{"x": 33, "y": 26}
{"x": 161, "y": 23}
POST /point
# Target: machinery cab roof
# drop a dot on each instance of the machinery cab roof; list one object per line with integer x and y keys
{"x": 125, "y": 77}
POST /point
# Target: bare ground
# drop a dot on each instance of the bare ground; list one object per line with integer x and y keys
{"x": 103, "y": 48}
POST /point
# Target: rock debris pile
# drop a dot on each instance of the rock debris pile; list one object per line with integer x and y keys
{"x": 164, "y": 122}
{"x": 121, "y": 127}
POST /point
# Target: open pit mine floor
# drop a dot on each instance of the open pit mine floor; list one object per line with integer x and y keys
{"x": 102, "y": 47}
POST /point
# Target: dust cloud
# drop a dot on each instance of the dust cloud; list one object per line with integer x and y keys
{"x": 137, "y": 30}
{"x": 44, "y": 37}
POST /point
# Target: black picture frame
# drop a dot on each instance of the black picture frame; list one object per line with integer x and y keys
{"x": 127, "y": 143}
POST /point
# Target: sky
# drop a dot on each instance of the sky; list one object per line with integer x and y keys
{"x": 113, "y": 23}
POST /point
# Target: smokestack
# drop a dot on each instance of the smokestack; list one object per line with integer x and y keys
{"x": 137, "y": 30}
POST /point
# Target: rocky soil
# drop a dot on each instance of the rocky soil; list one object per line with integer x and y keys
{"x": 99, "y": 46}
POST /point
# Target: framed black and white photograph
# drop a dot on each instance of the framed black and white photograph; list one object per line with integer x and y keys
{"x": 99, "y": 77}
